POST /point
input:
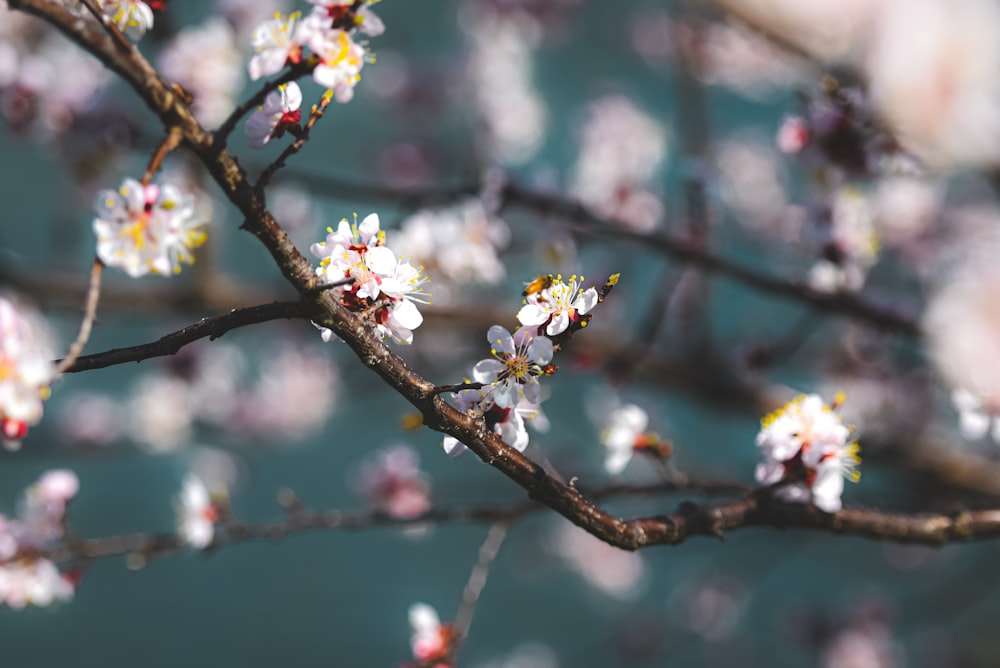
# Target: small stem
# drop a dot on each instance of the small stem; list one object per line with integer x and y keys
{"x": 90, "y": 312}
{"x": 296, "y": 146}
{"x": 441, "y": 389}
{"x": 477, "y": 581}
{"x": 169, "y": 143}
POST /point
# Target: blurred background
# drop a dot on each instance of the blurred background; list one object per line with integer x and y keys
{"x": 499, "y": 140}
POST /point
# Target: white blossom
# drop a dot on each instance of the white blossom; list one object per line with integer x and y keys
{"x": 26, "y": 370}
{"x": 517, "y": 362}
{"x": 279, "y": 112}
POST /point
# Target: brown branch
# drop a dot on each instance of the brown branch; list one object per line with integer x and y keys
{"x": 169, "y": 143}
{"x": 211, "y": 328}
{"x": 688, "y": 521}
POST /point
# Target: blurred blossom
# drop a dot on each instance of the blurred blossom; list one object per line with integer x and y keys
{"x": 650, "y": 32}
{"x": 864, "y": 642}
{"x": 527, "y": 655}
{"x": 89, "y": 418}
{"x": 738, "y": 58}
{"x": 962, "y": 325}
{"x": 393, "y": 483}
{"x": 458, "y": 244}
{"x": 934, "y": 70}
{"x": 161, "y": 417}
{"x": 296, "y": 392}
{"x": 751, "y": 184}
{"x": 625, "y": 434}
{"x": 206, "y": 60}
{"x": 430, "y": 641}
{"x": 392, "y": 77}
{"x": 611, "y": 570}
{"x": 32, "y": 580}
{"x": 906, "y": 207}
{"x": 500, "y": 71}
{"x": 828, "y": 29}
{"x": 850, "y": 244}
{"x": 715, "y": 608}
{"x": 621, "y": 152}
{"x": 25, "y": 371}
{"x": 244, "y": 15}
{"x": 292, "y": 205}
{"x": 45, "y": 81}
{"x": 196, "y": 513}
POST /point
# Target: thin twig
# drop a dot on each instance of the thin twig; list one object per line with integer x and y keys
{"x": 171, "y": 343}
{"x": 296, "y": 146}
{"x": 169, "y": 143}
{"x": 442, "y": 389}
{"x": 477, "y": 581}
{"x": 90, "y": 312}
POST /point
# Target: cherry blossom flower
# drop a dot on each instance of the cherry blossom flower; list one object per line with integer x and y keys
{"x": 430, "y": 640}
{"x": 806, "y": 444}
{"x": 196, "y": 514}
{"x": 276, "y": 43}
{"x": 625, "y": 434}
{"x": 147, "y": 228}
{"x": 279, "y": 113}
{"x": 519, "y": 360}
{"x": 33, "y": 582}
{"x": 793, "y": 135}
{"x": 394, "y": 484}
{"x": 557, "y": 305}
{"x": 383, "y": 285}
{"x": 508, "y": 423}
{"x": 132, "y": 17}
{"x": 25, "y": 372}
{"x": 340, "y": 62}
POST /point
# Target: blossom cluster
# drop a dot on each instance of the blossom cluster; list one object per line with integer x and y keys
{"x": 145, "y": 229}
{"x": 551, "y": 305}
{"x": 26, "y": 578}
{"x": 25, "y": 372}
{"x": 394, "y": 484}
{"x": 381, "y": 284}
{"x": 329, "y": 32}
{"x": 807, "y": 447}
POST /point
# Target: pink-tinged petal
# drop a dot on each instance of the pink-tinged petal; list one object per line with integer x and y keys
{"x": 293, "y": 96}
{"x": 540, "y": 351}
{"x": 532, "y": 390}
{"x": 532, "y": 315}
{"x": 586, "y": 301}
{"x": 500, "y": 340}
{"x": 769, "y": 472}
{"x": 513, "y": 433}
{"x": 407, "y": 315}
{"x": 506, "y": 394}
{"x": 486, "y": 371}
{"x": 381, "y": 260}
{"x": 827, "y": 489}
{"x": 369, "y": 227}
{"x": 559, "y": 324}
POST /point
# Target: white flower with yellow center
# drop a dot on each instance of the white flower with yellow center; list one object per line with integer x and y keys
{"x": 518, "y": 361}
{"x": 557, "y": 305}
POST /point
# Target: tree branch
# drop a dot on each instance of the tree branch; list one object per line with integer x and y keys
{"x": 170, "y": 344}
